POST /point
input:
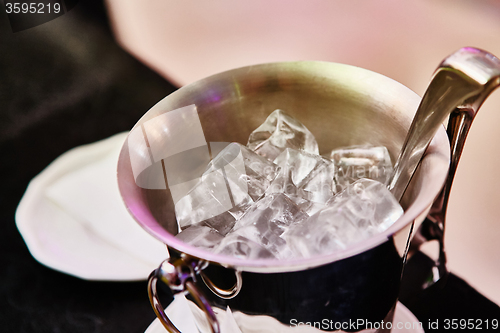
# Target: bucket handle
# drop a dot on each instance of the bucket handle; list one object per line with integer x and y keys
{"x": 484, "y": 68}
{"x": 224, "y": 293}
{"x": 180, "y": 276}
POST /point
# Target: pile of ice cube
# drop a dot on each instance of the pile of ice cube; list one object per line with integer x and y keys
{"x": 278, "y": 198}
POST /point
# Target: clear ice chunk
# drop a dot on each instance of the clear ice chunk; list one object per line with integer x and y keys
{"x": 241, "y": 247}
{"x": 320, "y": 183}
{"x": 356, "y": 162}
{"x": 211, "y": 202}
{"x": 294, "y": 167}
{"x": 362, "y": 210}
{"x": 260, "y": 172}
{"x": 296, "y": 164}
{"x": 304, "y": 176}
{"x": 280, "y": 131}
{"x": 266, "y": 220}
{"x": 234, "y": 179}
{"x": 251, "y": 172}
{"x": 310, "y": 207}
{"x": 200, "y": 236}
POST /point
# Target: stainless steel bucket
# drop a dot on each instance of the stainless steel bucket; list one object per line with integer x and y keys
{"x": 342, "y": 106}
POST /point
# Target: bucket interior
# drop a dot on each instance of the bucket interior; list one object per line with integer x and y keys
{"x": 340, "y": 104}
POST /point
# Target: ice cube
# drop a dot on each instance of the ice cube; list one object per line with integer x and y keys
{"x": 251, "y": 172}
{"x": 318, "y": 234}
{"x": 200, "y": 236}
{"x": 234, "y": 179}
{"x": 310, "y": 207}
{"x": 356, "y": 162}
{"x": 320, "y": 183}
{"x": 363, "y": 209}
{"x": 238, "y": 246}
{"x": 267, "y": 219}
{"x": 297, "y": 164}
{"x": 212, "y": 202}
{"x": 371, "y": 200}
{"x": 294, "y": 166}
{"x": 303, "y": 176}
{"x": 280, "y": 131}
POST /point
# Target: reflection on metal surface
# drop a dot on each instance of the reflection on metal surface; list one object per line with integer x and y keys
{"x": 180, "y": 277}
{"x": 465, "y": 78}
{"x": 224, "y": 293}
{"x": 484, "y": 69}
{"x": 174, "y": 132}
{"x": 169, "y": 149}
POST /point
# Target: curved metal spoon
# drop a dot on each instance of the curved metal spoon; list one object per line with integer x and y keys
{"x": 458, "y": 88}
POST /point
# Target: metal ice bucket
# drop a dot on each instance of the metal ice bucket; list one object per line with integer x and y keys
{"x": 342, "y": 106}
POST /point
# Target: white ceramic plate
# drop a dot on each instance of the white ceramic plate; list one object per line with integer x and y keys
{"x": 190, "y": 319}
{"x": 78, "y": 225}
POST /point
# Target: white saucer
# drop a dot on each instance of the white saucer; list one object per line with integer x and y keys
{"x": 190, "y": 319}
{"x": 79, "y": 225}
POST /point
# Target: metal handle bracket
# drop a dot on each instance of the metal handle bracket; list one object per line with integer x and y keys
{"x": 180, "y": 277}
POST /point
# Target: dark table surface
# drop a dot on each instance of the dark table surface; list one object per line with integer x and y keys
{"x": 53, "y": 99}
